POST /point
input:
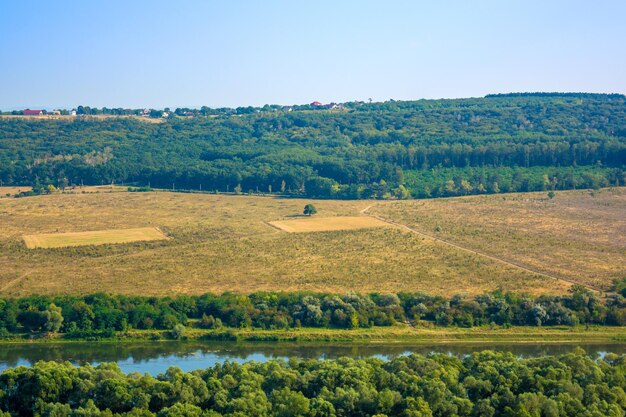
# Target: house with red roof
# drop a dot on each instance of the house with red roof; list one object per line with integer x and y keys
{"x": 29, "y": 112}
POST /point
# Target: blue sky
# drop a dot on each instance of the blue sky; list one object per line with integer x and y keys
{"x": 232, "y": 53}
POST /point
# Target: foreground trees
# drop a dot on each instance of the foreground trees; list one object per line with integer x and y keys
{"x": 482, "y": 384}
{"x": 309, "y": 210}
{"x": 102, "y": 315}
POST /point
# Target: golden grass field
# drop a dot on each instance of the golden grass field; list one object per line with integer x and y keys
{"x": 96, "y": 237}
{"x": 577, "y": 235}
{"x": 96, "y": 189}
{"x": 225, "y": 243}
{"x": 12, "y": 191}
{"x": 327, "y": 224}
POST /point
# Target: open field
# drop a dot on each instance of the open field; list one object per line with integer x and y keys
{"x": 327, "y": 224}
{"x": 97, "y": 237}
{"x": 11, "y": 191}
{"x": 221, "y": 243}
{"x": 577, "y": 235}
{"x": 96, "y": 189}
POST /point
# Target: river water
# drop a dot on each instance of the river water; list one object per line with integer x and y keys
{"x": 156, "y": 357}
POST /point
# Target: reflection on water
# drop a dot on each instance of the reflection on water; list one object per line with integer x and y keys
{"x": 156, "y": 357}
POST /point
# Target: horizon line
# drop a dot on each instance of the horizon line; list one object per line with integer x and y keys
{"x": 368, "y": 101}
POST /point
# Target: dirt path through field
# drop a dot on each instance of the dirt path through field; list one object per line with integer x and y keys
{"x": 276, "y": 229}
{"x": 13, "y": 282}
{"x": 484, "y": 255}
{"x": 364, "y": 211}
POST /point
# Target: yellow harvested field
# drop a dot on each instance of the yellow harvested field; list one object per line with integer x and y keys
{"x": 98, "y": 237}
{"x": 327, "y": 224}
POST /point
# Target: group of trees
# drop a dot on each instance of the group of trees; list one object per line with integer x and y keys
{"x": 446, "y": 182}
{"x": 379, "y": 150}
{"x": 484, "y": 384}
{"x": 104, "y": 314}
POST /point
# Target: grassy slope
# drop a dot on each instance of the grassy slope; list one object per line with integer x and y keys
{"x": 394, "y": 334}
{"x": 222, "y": 243}
{"x": 403, "y": 332}
{"x": 578, "y": 235}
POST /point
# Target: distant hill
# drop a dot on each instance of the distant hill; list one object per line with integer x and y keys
{"x": 395, "y": 149}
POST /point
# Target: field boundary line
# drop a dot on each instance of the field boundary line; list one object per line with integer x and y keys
{"x": 472, "y": 251}
{"x": 276, "y": 228}
{"x": 13, "y": 282}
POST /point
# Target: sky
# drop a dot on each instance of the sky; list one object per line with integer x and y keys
{"x": 157, "y": 54}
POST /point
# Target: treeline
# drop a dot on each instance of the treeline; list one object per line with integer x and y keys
{"x": 447, "y": 182}
{"x": 481, "y": 384}
{"x": 553, "y": 94}
{"x": 105, "y": 314}
{"x": 203, "y": 111}
{"x": 369, "y": 150}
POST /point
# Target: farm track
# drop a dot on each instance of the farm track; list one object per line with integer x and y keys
{"x": 472, "y": 251}
{"x": 13, "y": 282}
{"x": 276, "y": 229}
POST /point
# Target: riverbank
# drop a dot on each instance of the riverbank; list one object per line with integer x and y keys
{"x": 392, "y": 334}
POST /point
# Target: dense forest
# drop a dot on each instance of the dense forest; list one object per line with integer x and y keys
{"x": 395, "y": 149}
{"x": 482, "y": 384}
{"x": 101, "y": 315}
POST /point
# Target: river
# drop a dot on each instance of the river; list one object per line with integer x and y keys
{"x": 156, "y": 357}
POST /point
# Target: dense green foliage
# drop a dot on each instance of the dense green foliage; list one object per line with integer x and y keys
{"x": 309, "y": 210}
{"x": 102, "y": 314}
{"x": 524, "y": 142}
{"x": 482, "y": 384}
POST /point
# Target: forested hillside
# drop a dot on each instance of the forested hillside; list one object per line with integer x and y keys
{"x": 426, "y": 148}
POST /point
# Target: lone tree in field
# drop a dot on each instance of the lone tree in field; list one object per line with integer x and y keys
{"x": 310, "y": 209}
